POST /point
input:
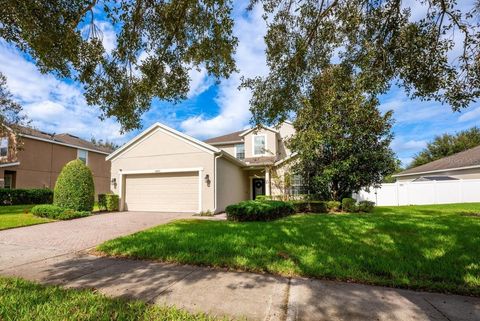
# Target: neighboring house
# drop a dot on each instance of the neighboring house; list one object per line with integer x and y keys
{"x": 463, "y": 165}
{"x": 164, "y": 170}
{"x": 37, "y": 161}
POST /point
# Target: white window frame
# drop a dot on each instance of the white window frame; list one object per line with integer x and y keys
{"x": 236, "y": 150}
{"x": 86, "y": 157}
{"x": 1, "y": 142}
{"x": 265, "y": 147}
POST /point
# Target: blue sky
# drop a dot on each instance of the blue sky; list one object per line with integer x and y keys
{"x": 57, "y": 105}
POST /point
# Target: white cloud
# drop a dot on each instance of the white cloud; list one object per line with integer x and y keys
{"x": 470, "y": 115}
{"x": 406, "y": 161}
{"x": 199, "y": 81}
{"x": 44, "y": 110}
{"x": 109, "y": 36}
{"x": 53, "y": 105}
{"x": 400, "y": 145}
{"x": 234, "y": 104}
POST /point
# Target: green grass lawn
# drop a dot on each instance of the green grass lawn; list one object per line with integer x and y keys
{"x": 18, "y": 215}
{"x": 434, "y": 248}
{"x": 24, "y": 300}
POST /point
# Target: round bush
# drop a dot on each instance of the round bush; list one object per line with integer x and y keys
{"x": 74, "y": 188}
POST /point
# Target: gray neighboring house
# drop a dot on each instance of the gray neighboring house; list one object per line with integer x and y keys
{"x": 463, "y": 165}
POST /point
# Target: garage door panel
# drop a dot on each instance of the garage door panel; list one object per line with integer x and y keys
{"x": 175, "y": 192}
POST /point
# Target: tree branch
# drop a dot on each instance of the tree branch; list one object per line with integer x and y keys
{"x": 83, "y": 12}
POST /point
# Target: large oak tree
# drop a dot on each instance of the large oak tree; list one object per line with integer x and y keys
{"x": 158, "y": 42}
{"x": 342, "y": 140}
{"x": 377, "y": 37}
{"x": 380, "y": 39}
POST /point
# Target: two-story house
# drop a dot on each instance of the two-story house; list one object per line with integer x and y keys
{"x": 35, "y": 161}
{"x": 165, "y": 170}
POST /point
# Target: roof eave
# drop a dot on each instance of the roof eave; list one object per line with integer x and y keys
{"x": 63, "y": 144}
{"x": 257, "y": 128}
{"x": 436, "y": 171}
{"x": 225, "y": 143}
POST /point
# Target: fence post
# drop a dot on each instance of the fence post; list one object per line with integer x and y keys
{"x": 397, "y": 193}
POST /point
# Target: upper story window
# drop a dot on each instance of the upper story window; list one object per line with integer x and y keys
{"x": 4, "y": 147}
{"x": 259, "y": 145}
{"x": 82, "y": 155}
{"x": 240, "y": 151}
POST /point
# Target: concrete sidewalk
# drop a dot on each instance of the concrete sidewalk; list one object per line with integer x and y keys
{"x": 240, "y": 294}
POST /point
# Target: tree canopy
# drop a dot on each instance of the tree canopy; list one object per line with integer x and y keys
{"x": 446, "y": 145}
{"x": 158, "y": 42}
{"x": 379, "y": 39}
{"x": 342, "y": 139}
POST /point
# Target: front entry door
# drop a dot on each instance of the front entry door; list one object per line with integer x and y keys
{"x": 258, "y": 187}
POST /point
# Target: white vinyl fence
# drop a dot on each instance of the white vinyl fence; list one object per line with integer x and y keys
{"x": 422, "y": 193}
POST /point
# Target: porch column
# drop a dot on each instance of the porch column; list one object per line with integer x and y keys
{"x": 267, "y": 181}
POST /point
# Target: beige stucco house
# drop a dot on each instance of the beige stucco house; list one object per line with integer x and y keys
{"x": 163, "y": 169}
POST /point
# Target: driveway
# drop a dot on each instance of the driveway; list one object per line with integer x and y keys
{"x": 38, "y": 242}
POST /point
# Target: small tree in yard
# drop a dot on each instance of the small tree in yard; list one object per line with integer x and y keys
{"x": 342, "y": 138}
{"x": 74, "y": 188}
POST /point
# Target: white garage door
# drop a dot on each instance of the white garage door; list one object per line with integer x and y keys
{"x": 168, "y": 192}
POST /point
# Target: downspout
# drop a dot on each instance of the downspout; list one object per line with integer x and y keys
{"x": 215, "y": 182}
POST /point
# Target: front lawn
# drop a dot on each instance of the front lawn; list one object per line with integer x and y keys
{"x": 433, "y": 247}
{"x": 18, "y": 215}
{"x": 24, "y": 300}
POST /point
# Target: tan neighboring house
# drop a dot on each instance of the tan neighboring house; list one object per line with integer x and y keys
{"x": 165, "y": 170}
{"x": 463, "y": 165}
{"x": 37, "y": 162}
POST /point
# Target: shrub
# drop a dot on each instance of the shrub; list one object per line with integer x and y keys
{"x": 258, "y": 210}
{"x": 349, "y": 205}
{"x": 25, "y": 196}
{"x": 365, "y": 206}
{"x": 74, "y": 188}
{"x": 301, "y": 206}
{"x": 309, "y": 206}
{"x": 318, "y": 207}
{"x": 102, "y": 202}
{"x": 57, "y": 212}
{"x": 263, "y": 198}
{"x": 112, "y": 202}
{"x": 333, "y": 206}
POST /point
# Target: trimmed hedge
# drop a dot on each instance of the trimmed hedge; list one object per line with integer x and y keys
{"x": 102, "y": 202}
{"x": 57, "y": 212}
{"x": 108, "y": 202}
{"x": 112, "y": 202}
{"x": 258, "y": 210}
{"x": 25, "y": 196}
{"x": 334, "y": 206}
{"x": 349, "y": 205}
{"x": 74, "y": 188}
{"x": 365, "y": 206}
{"x": 310, "y": 206}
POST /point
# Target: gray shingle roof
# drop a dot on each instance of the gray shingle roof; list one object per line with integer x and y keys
{"x": 470, "y": 157}
{"x": 232, "y": 137}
